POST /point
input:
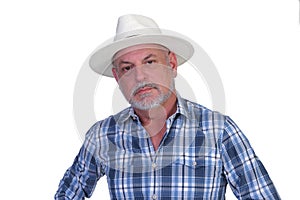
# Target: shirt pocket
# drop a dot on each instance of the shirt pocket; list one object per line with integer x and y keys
{"x": 201, "y": 167}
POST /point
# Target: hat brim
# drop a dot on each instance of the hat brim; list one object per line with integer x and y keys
{"x": 101, "y": 60}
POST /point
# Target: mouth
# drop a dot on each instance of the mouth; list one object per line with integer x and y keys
{"x": 144, "y": 89}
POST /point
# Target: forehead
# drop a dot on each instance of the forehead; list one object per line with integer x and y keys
{"x": 139, "y": 50}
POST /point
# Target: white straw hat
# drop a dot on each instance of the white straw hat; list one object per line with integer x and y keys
{"x": 134, "y": 30}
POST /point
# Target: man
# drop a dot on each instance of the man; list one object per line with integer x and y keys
{"x": 163, "y": 146}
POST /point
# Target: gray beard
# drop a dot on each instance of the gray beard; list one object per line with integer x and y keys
{"x": 147, "y": 105}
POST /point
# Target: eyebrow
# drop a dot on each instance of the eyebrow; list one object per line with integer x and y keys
{"x": 124, "y": 62}
{"x": 149, "y": 56}
{"x": 146, "y": 58}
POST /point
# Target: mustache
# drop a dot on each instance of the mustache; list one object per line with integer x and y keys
{"x": 142, "y": 85}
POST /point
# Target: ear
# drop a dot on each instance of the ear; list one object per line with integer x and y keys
{"x": 173, "y": 62}
{"x": 115, "y": 73}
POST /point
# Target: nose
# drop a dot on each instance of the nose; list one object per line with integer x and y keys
{"x": 139, "y": 73}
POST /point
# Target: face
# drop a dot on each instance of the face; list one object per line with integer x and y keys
{"x": 145, "y": 74}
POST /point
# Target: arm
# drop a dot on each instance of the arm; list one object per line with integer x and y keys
{"x": 80, "y": 179}
{"x": 245, "y": 173}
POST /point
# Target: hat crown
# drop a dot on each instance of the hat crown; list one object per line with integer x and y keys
{"x": 135, "y": 30}
{"x": 133, "y": 25}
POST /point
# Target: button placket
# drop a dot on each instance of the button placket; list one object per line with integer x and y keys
{"x": 154, "y": 165}
{"x": 154, "y": 196}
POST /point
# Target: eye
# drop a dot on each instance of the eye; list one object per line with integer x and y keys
{"x": 150, "y": 62}
{"x": 126, "y": 68}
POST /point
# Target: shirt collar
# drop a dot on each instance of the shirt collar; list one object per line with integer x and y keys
{"x": 182, "y": 107}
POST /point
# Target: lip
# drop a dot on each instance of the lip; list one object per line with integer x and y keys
{"x": 144, "y": 90}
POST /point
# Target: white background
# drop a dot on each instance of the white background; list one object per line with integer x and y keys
{"x": 254, "y": 44}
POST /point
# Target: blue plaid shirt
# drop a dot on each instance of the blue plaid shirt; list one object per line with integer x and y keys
{"x": 200, "y": 153}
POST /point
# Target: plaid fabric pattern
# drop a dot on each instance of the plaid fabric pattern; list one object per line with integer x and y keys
{"x": 201, "y": 152}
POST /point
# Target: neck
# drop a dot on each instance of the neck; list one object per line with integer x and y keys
{"x": 154, "y": 120}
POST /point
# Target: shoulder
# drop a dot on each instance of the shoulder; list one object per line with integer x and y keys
{"x": 216, "y": 124}
{"x": 108, "y": 124}
{"x": 202, "y": 114}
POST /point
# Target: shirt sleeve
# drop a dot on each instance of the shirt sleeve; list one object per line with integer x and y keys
{"x": 244, "y": 171}
{"x": 80, "y": 180}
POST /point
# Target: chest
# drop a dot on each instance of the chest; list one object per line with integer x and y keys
{"x": 186, "y": 164}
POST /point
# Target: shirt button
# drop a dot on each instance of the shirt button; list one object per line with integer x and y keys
{"x": 154, "y": 196}
{"x": 194, "y": 163}
{"x": 154, "y": 165}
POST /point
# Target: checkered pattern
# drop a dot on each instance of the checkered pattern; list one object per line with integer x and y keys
{"x": 201, "y": 152}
